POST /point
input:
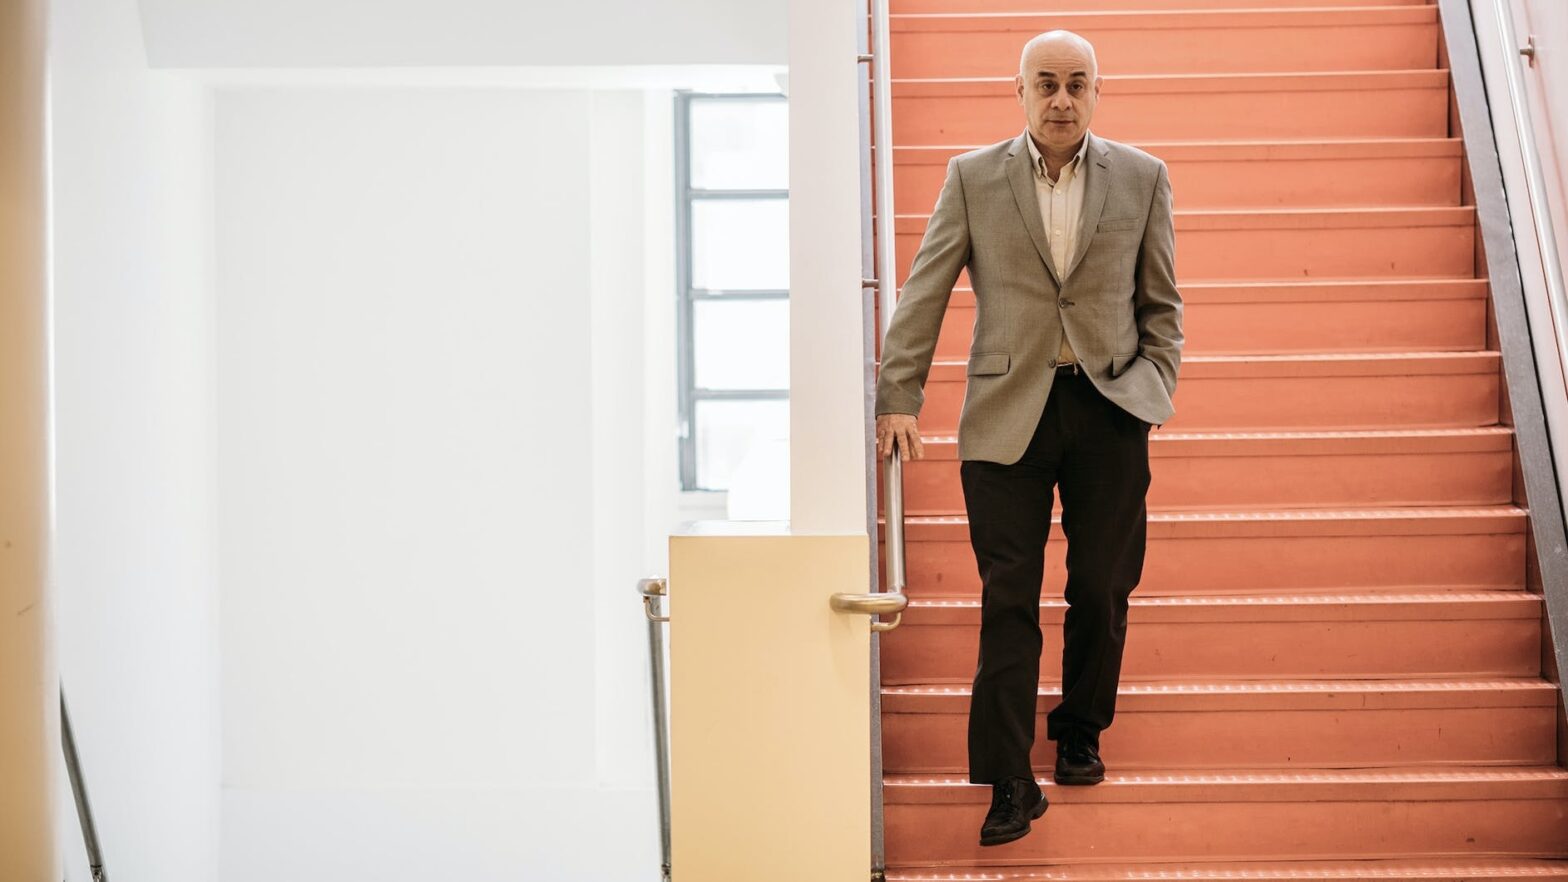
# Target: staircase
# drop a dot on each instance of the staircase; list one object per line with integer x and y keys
{"x": 1336, "y": 665}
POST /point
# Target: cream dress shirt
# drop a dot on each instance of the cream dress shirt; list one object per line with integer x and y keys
{"x": 1060, "y": 202}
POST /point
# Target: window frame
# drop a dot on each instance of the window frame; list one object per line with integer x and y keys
{"x": 687, "y": 295}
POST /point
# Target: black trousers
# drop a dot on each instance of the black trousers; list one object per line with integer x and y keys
{"x": 1098, "y": 454}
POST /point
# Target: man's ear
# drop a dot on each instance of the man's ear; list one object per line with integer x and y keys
{"x": 1018, "y": 86}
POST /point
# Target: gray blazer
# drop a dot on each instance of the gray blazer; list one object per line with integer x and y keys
{"x": 1117, "y": 300}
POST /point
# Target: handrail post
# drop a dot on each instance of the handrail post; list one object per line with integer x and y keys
{"x": 651, "y": 590}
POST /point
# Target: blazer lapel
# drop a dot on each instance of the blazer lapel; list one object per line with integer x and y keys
{"x": 1021, "y": 175}
{"x": 1097, "y": 181}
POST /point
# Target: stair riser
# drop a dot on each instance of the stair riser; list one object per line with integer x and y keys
{"x": 1429, "y": 252}
{"x": 932, "y": 487}
{"x": 905, "y": 7}
{"x": 1172, "y": 740}
{"x": 1286, "y": 327}
{"x": 1337, "y": 112}
{"x": 1343, "y": 41}
{"x": 1291, "y": 403}
{"x": 914, "y": 653}
{"x": 1260, "y": 564}
{"x": 1252, "y": 184}
{"x": 928, "y": 834}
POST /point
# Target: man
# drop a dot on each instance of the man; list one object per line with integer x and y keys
{"x": 1070, "y": 246}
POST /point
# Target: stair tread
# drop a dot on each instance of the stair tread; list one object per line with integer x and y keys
{"x": 1258, "y": 16}
{"x": 1300, "y": 364}
{"x": 1260, "y": 785}
{"x": 1400, "y": 868}
{"x": 1271, "y": 694}
{"x": 1502, "y": 518}
{"x": 1271, "y": 217}
{"x": 1232, "y": 148}
{"x": 1357, "y": 606}
{"x": 1360, "y": 80}
{"x": 1502, "y": 510}
{"x": 1302, "y": 441}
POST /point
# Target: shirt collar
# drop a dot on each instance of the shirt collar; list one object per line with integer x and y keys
{"x": 1039, "y": 166}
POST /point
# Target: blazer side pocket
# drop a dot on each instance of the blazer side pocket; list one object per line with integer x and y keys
{"x": 989, "y": 363}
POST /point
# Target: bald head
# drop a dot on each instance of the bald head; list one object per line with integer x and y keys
{"x": 1058, "y": 45}
{"x": 1058, "y": 87}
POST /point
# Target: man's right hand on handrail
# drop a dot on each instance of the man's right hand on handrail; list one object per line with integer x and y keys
{"x": 900, "y": 427}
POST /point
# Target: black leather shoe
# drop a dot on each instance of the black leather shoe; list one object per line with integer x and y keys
{"x": 1078, "y": 759}
{"x": 1014, "y": 803}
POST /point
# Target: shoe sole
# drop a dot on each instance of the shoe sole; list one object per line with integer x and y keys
{"x": 1009, "y": 837}
{"x": 1079, "y": 779}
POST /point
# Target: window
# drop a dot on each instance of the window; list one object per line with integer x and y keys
{"x": 732, "y": 239}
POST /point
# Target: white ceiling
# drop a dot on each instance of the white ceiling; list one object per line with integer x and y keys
{"x": 466, "y": 33}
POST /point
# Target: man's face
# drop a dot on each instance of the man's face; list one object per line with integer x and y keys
{"x": 1057, "y": 95}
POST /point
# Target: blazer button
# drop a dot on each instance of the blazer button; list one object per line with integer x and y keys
{"x": 1064, "y": 302}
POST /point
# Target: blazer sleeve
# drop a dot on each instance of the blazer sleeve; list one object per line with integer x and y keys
{"x": 917, "y": 319}
{"x": 1157, "y": 303}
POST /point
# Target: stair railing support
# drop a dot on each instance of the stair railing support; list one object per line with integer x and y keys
{"x": 653, "y": 590}
{"x": 1543, "y": 489}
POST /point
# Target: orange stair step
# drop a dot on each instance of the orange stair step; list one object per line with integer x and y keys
{"x": 934, "y": 820}
{"x": 1435, "y": 242}
{"x": 979, "y": 44}
{"x": 1202, "y": 107}
{"x": 1217, "y": 471}
{"x": 899, "y": 7}
{"x": 1258, "y": 724}
{"x": 1278, "y": 318}
{"x": 1429, "y": 869}
{"x": 1308, "y": 551}
{"x": 1429, "y": 634}
{"x": 1295, "y": 392}
{"x": 1340, "y": 173}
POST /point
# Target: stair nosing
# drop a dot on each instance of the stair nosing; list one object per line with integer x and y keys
{"x": 1417, "y": 867}
{"x": 1277, "y": 695}
{"x": 1259, "y": 608}
{"x": 1378, "y": 784}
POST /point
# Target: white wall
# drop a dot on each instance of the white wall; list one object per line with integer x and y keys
{"x": 372, "y": 370}
{"x": 441, "y": 348}
{"x": 134, "y": 455}
{"x": 428, "y": 33}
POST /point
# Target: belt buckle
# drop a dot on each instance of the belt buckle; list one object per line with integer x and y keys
{"x": 1068, "y": 364}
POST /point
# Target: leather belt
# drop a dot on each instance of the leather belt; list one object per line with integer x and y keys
{"x": 1069, "y": 366}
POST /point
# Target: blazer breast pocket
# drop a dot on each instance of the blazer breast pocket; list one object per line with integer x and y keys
{"x": 1112, "y": 224}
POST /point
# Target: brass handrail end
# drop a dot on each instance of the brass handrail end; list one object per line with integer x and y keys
{"x": 880, "y": 603}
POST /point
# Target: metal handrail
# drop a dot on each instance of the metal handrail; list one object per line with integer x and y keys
{"x": 1540, "y": 210}
{"x": 886, "y": 283}
{"x": 84, "y": 811}
{"x": 887, "y": 268}
{"x": 874, "y": 604}
{"x": 651, "y": 590}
